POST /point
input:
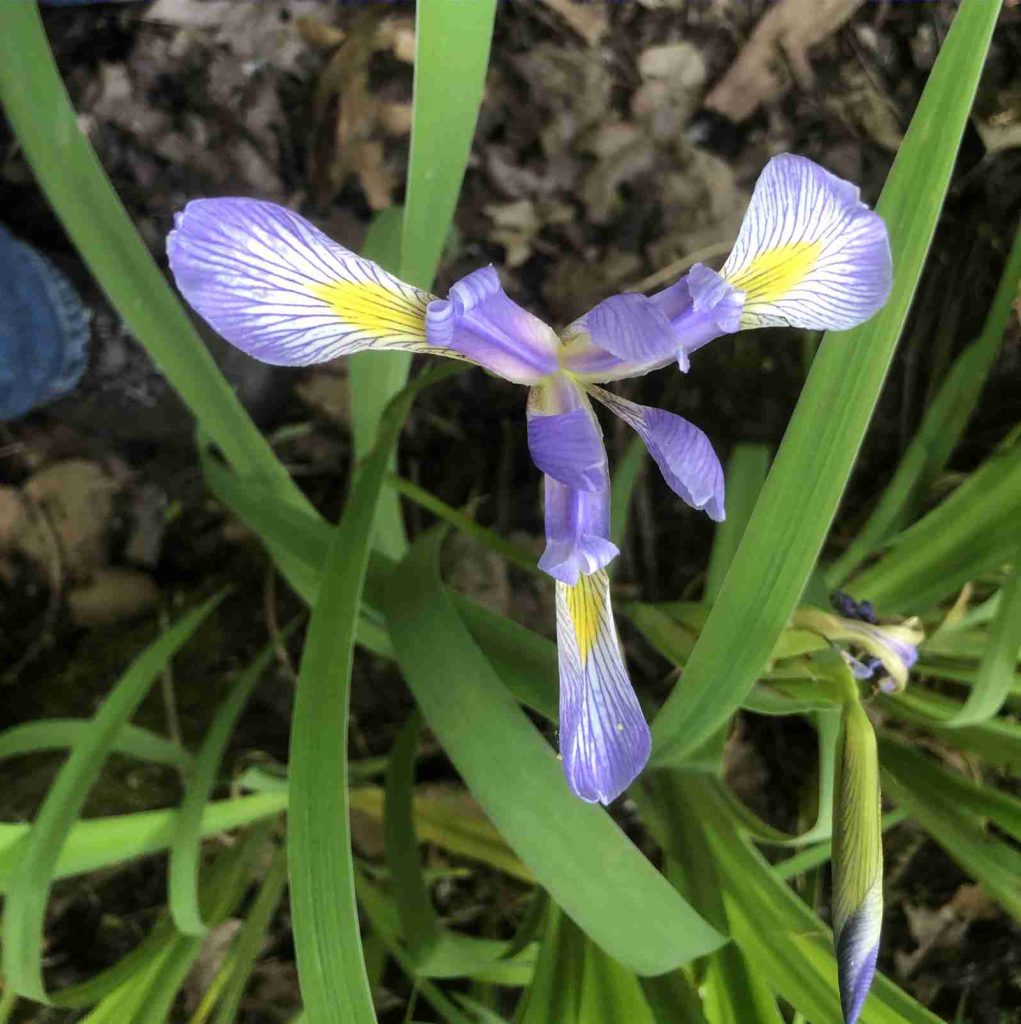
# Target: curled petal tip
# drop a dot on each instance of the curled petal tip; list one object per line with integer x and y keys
{"x": 604, "y": 739}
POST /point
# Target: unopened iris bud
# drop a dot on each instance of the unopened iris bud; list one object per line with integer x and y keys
{"x": 857, "y": 860}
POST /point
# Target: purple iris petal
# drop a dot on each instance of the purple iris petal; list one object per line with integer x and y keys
{"x": 479, "y": 320}
{"x": 624, "y": 331}
{"x": 569, "y": 447}
{"x": 809, "y": 253}
{"x": 577, "y": 531}
{"x": 712, "y": 308}
{"x": 604, "y": 740}
{"x": 280, "y": 290}
{"x": 683, "y": 453}
{"x": 631, "y": 334}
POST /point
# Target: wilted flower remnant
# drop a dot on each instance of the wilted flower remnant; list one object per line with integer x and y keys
{"x": 887, "y": 651}
{"x": 809, "y": 254}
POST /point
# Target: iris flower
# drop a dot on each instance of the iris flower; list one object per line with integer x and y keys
{"x": 809, "y": 254}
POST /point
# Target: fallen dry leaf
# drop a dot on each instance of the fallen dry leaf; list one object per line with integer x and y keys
{"x": 112, "y": 595}
{"x": 787, "y": 30}
{"x": 588, "y": 19}
{"x": 77, "y": 498}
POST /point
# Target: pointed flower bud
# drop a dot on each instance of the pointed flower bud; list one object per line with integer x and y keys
{"x": 857, "y": 860}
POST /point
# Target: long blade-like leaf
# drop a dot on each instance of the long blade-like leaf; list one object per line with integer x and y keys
{"x": 575, "y": 850}
{"x": 800, "y": 498}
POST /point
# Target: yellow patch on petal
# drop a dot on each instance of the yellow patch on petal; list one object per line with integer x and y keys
{"x": 374, "y": 309}
{"x": 773, "y": 273}
{"x": 584, "y": 603}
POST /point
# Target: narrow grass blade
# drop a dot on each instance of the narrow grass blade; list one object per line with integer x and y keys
{"x": 940, "y": 430}
{"x": 63, "y": 733}
{"x": 573, "y": 848}
{"x": 186, "y": 849}
{"x": 375, "y": 378}
{"x": 788, "y": 527}
{"x": 993, "y": 863}
{"x": 81, "y": 195}
{"x": 973, "y": 798}
{"x": 513, "y": 553}
{"x": 971, "y": 532}
{"x": 331, "y": 969}
{"x": 419, "y": 924}
{"x": 451, "y": 55}
{"x": 250, "y": 938}
{"x": 30, "y": 883}
{"x": 995, "y": 678}
{"x": 745, "y": 474}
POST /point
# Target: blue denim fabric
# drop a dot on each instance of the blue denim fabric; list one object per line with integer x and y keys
{"x": 44, "y": 330}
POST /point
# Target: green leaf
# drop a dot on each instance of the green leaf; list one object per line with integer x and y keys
{"x": 251, "y": 937}
{"x": 331, "y": 968}
{"x": 451, "y": 55}
{"x": 572, "y": 848}
{"x": 940, "y": 430}
{"x": 995, "y": 678}
{"x": 745, "y": 474}
{"x": 788, "y": 527}
{"x": 34, "y": 873}
{"x": 105, "y": 842}
{"x": 971, "y": 532}
{"x": 419, "y": 924}
{"x": 625, "y": 478}
{"x": 186, "y": 849}
{"x": 81, "y": 195}
{"x": 63, "y": 733}
{"x": 788, "y": 943}
{"x": 991, "y": 862}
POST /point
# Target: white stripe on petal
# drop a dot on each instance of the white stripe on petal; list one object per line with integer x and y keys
{"x": 604, "y": 740}
{"x": 809, "y": 253}
{"x": 282, "y": 291}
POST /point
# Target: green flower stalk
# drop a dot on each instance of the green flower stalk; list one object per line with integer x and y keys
{"x": 857, "y": 859}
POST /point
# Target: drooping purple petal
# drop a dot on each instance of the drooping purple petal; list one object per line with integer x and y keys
{"x": 565, "y": 446}
{"x": 280, "y": 290}
{"x": 809, "y": 253}
{"x": 564, "y": 436}
{"x": 683, "y": 453}
{"x": 604, "y": 740}
{"x": 479, "y": 320}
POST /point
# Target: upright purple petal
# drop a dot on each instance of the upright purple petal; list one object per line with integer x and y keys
{"x": 809, "y": 253}
{"x": 280, "y": 290}
{"x": 631, "y": 334}
{"x": 479, "y": 320}
{"x": 604, "y": 740}
{"x": 683, "y": 453}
